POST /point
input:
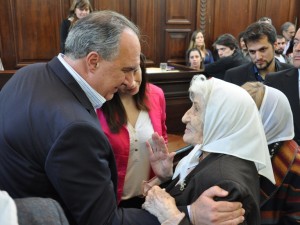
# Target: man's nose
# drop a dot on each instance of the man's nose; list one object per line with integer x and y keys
{"x": 297, "y": 47}
{"x": 129, "y": 78}
{"x": 258, "y": 55}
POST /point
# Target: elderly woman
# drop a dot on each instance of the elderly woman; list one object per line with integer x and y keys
{"x": 230, "y": 147}
{"x": 280, "y": 202}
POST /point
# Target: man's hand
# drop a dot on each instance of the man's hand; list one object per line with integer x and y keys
{"x": 160, "y": 159}
{"x": 206, "y": 211}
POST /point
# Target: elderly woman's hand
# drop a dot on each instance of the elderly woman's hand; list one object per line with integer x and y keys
{"x": 162, "y": 205}
{"x": 160, "y": 159}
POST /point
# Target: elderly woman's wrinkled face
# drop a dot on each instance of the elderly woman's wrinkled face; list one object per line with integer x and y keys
{"x": 193, "y": 119}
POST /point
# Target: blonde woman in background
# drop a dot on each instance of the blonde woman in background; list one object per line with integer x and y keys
{"x": 197, "y": 41}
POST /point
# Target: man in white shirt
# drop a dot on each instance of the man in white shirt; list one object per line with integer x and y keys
{"x": 279, "y": 47}
{"x": 288, "y": 31}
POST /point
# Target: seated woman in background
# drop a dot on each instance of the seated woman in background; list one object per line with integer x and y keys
{"x": 280, "y": 202}
{"x": 194, "y": 59}
{"x": 129, "y": 120}
{"x": 225, "y": 127}
{"x": 78, "y": 10}
{"x": 230, "y": 56}
{"x": 197, "y": 41}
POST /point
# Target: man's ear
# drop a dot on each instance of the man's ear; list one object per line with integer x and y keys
{"x": 93, "y": 59}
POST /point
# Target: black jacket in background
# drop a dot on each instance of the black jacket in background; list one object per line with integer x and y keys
{"x": 244, "y": 73}
{"x": 219, "y": 67}
{"x": 287, "y": 81}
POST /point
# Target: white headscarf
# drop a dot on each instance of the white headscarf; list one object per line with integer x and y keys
{"x": 232, "y": 126}
{"x": 8, "y": 210}
{"x": 276, "y": 115}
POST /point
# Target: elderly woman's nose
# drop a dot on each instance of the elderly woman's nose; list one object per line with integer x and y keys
{"x": 185, "y": 117}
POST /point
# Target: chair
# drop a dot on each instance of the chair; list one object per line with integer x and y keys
{"x": 40, "y": 211}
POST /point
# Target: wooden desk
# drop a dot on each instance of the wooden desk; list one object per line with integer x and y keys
{"x": 175, "y": 85}
{"x": 175, "y": 142}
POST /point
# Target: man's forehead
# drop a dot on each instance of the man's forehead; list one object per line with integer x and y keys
{"x": 221, "y": 46}
{"x": 280, "y": 39}
{"x": 291, "y": 28}
{"x": 258, "y": 45}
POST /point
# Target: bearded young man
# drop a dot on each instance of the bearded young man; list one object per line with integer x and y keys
{"x": 259, "y": 39}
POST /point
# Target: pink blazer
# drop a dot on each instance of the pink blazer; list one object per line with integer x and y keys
{"x": 120, "y": 142}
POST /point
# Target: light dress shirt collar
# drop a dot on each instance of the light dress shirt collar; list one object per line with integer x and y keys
{"x": 95, "y": 98}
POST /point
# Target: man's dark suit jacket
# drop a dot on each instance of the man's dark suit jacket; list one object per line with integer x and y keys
{"x": 287, "y": 81}
{"x": 52, "y": 146}
{"x": 244, "y": 73}
{"x": 239, "y": 177}
{"x": 218, "y": 68}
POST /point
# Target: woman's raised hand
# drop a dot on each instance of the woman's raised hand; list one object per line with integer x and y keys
{"x": 160, "y": 159}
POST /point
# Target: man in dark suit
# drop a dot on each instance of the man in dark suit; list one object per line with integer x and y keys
{"x": 51, "y": 142}
{"x": 288, "y": 81}
{"x": 260, "y": 39}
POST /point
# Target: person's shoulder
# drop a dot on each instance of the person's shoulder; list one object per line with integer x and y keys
{"x": 207, "y": 50}
{"x": 66, "y": 22}
{"x": 286, "y": 71}
{"x": 228, "y": 164}
{"x": 283, "y": 66}
{"x": 153, "y": 89}
{"x": 238, "y": 70}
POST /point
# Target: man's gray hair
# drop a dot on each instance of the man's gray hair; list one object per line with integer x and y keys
{"x": 286, "y": 25}
{"x": 100, "y": 32}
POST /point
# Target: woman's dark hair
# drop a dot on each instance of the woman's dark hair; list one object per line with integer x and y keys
{"x": 227, "y": 40}
{"x": 114, "y": 110}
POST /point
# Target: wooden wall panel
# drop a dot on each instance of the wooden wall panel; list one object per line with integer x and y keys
{"x": 7, "y": 37}
{"x": 37, "y": 39}
{"x": 228, "y": 16}
{"x": 121, "y": 6}
{"x": 274, "y": 8}
{"x": 179, "y": 12}
{"x": 176, "y": 42}
{"x": 29, "y": 29}
{"x": 147, "y": 19}
{"x": 179, "y": 23}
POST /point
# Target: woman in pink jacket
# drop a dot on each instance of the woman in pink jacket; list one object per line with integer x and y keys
{"x": 129, "y": 120}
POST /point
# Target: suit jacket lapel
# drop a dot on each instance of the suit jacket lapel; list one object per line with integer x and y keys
{"x": 291, "y": 86}
{"x": 250, "y": 72}
{"x": 61, "y": 72}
